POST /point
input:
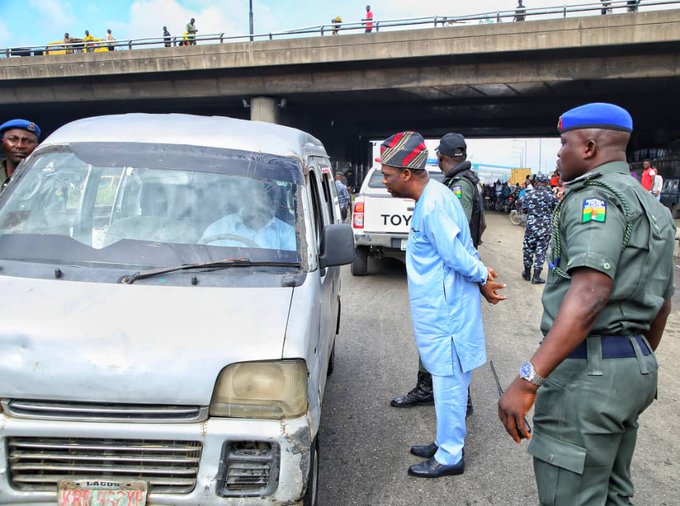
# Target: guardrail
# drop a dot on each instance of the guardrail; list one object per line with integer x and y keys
{"x": 602, "y": 7}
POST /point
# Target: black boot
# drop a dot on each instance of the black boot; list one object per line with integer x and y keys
{"x": 526, "y": 275}
{"x": 421, "y": 394}
{"x": 537, "y": 280}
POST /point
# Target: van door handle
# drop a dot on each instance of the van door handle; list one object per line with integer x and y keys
{"x": 410, "y": 208}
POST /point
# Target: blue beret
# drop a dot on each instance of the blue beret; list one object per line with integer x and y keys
{"x": 405, "y": 150}
{"x": 596, "y": 115}
{"x": 23, "y": 124}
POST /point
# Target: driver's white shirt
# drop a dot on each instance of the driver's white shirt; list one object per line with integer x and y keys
{"x": 274, "y": 235}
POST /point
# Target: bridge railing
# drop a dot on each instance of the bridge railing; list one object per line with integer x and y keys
{"x": 610, "y": 7}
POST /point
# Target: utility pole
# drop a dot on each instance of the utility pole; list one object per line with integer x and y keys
{"x": 251, "y": 21}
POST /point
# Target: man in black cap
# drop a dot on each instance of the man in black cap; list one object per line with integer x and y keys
{"x": 452, "y": 158}
{"x": 19, "y": 139}
{"x": 539, "y": 204}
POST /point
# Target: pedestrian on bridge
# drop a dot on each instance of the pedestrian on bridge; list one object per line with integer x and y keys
{"x": 520, "y": 12}
{"x": 604, "y": 311}
{"x": 368, "y": 19}
{"x": 445, "y": 277}
{"x": 191, "y": 32}
{"x": 167, "y": 38}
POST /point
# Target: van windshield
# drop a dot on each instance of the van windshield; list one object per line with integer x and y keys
{"x": 147, "y": 206}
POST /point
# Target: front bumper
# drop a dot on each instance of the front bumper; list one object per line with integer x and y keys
{"x": 292, "y": 438}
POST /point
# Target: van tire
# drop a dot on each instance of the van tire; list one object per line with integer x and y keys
{"x": 310, "y": 498}
{"x": 360, "y": 262}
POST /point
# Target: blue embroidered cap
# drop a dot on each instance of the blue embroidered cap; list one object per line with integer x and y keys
{"x": 23, "y": 124}
{"x": 596, "y": 115}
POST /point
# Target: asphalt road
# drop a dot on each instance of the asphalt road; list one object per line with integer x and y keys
{"x": 365, "y": 442}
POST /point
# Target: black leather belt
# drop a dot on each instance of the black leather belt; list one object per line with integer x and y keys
{"x": 613, "y": 347}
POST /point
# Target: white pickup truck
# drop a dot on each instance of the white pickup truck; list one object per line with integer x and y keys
{"x": 380, "y": 222}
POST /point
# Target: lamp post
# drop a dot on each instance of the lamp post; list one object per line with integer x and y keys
{"x": 251, "y": 20}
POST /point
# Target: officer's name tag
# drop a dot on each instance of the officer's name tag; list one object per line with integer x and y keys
{"x": 594, "y": 210}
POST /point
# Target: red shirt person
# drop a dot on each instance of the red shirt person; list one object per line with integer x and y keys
{"x": 368, "y": 19}
{"x": 648, "y": 175}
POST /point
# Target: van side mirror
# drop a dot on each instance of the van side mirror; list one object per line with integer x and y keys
{"x": 337, "y": 245}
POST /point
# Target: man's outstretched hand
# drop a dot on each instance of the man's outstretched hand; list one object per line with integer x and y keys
{"x": 490, "y": 289}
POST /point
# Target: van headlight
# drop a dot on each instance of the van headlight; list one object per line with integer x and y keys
{"x": 274, "y": 390}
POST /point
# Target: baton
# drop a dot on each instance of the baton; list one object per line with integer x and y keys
{"x": 500, "y": 394}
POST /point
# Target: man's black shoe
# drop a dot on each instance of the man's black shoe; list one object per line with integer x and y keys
{"x": 424, "y": 451}
{"x": 433, "y": 469}
{"x": 415, "y": 397}
{"x": 526, "y": 275}
{"x": 421, "y": 394}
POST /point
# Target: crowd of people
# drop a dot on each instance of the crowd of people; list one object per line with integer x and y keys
{"x": 504, "y": 197}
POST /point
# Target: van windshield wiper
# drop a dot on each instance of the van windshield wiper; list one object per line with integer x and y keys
{"x": 216, "y": 264}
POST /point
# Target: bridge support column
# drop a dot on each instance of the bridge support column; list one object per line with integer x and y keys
{"x": 264, "y": 109}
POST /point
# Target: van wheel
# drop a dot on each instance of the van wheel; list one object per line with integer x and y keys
{"x": 313, "y": 480}
{"x": 360, "y": 262}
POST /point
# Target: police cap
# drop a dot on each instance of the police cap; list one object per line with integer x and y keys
{"x": 23, "y": 124}
{"x": 452, "y": 144}
{"x": 596, "y": 115}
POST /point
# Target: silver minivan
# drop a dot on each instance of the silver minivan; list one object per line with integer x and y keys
{"x": 171, "y": 297}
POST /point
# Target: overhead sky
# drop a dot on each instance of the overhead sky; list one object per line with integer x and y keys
{"x": 36, "y": 22}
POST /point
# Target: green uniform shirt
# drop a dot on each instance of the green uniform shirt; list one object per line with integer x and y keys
{"x": 590, "y": 229}
{"x": 462, "y": 188}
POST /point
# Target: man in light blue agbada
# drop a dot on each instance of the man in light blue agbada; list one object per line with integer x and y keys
{"x": 445, "y": 277}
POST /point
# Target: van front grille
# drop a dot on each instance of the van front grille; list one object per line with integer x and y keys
{"x": 103, "y": 412}
{"x": 169, "y": 467}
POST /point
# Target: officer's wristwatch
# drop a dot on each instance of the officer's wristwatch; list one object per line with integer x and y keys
{"x": 528, "y": 373}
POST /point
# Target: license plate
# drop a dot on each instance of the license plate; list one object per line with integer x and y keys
{"x": 101, "y": 493}
{"x": 403, "y": 244}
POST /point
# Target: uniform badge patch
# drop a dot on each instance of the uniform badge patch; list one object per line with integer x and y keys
{"x": 594, "y": 210}
{"x": 458, "y": 191}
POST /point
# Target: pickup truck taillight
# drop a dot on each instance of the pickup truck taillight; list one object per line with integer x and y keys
{"x": 358, "y": 215}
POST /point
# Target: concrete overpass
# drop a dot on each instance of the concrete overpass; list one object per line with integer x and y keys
{"x": 489, "y": 80}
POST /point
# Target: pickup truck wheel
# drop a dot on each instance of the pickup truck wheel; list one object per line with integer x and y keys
{"x": 313, "y": 480}
{"x": 360, "y": 262}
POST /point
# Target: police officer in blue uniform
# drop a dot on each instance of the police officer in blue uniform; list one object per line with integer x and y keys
{"x": 605, "y": 308}
{"x": 539, "y": 204}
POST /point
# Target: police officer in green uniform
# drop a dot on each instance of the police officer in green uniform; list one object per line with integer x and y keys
{"x": 605, "y": 308}
{"x": 19, "y": 139}
{"x": 462, "y": 181}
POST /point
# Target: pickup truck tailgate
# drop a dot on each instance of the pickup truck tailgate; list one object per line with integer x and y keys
{"x": 387, "y": 214}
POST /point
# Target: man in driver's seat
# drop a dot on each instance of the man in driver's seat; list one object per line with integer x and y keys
{"x": 255, "y": 224}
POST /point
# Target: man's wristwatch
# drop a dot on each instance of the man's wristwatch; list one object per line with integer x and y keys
{"x": 528, "y": 373}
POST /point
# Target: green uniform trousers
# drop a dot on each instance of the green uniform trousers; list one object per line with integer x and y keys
{"x": 585, "y": 427}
